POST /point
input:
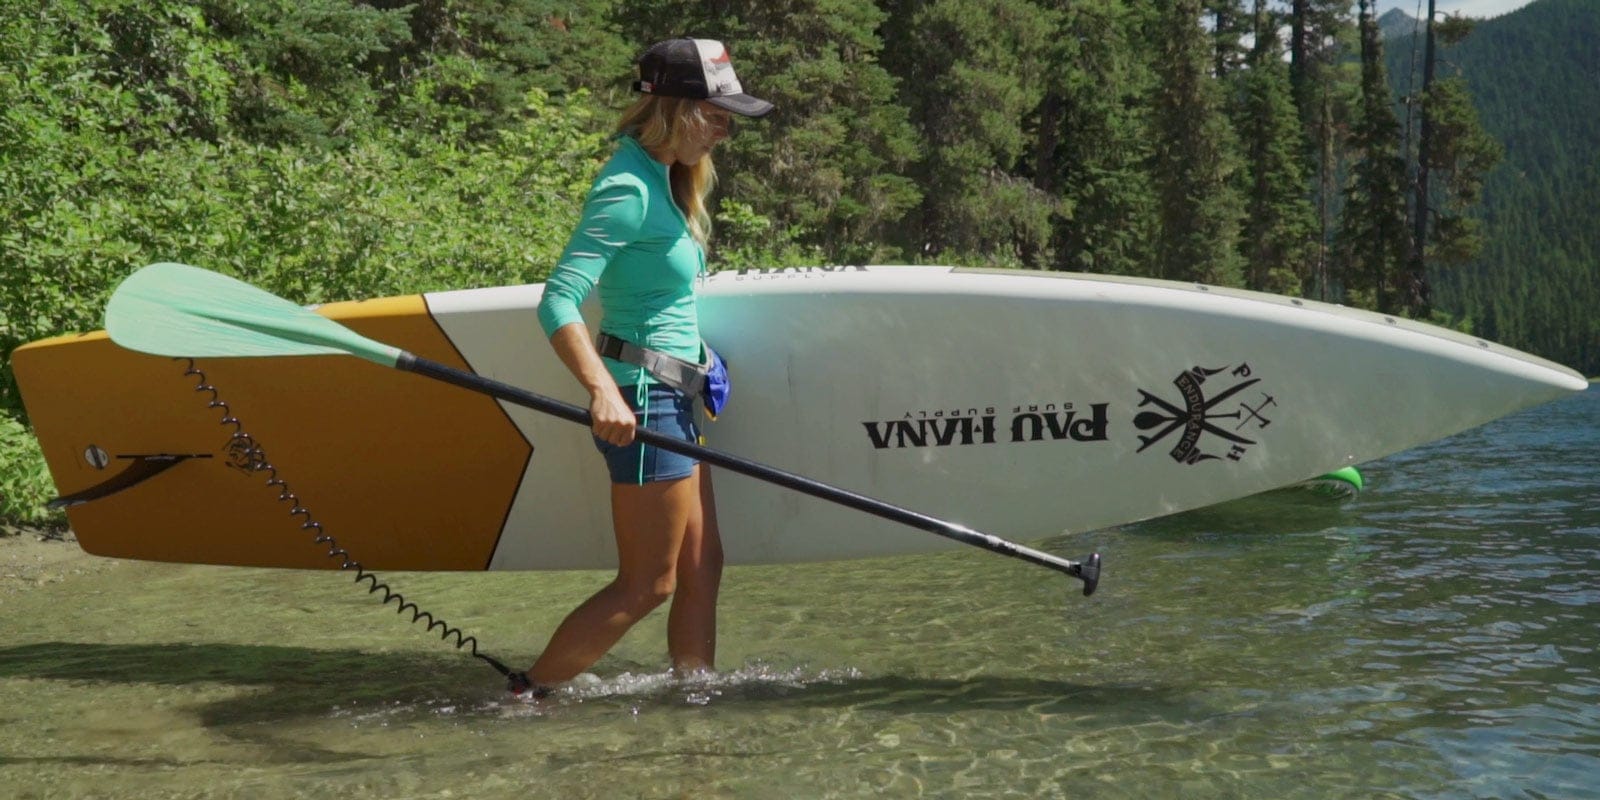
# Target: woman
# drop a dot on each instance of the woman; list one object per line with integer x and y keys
{"x": 644, "y": 229}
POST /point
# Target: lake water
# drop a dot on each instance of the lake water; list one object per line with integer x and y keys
{"x": 1434, "y": 638}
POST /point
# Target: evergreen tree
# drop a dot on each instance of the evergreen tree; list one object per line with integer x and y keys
{"x": 1198, "y": 207}
{"x": 1373, "y": 238}
{"x": 1536, "y": 282}
{"x": 1462, "y": 153}
{"x": 1280, "y": 225}
{"x": 829, "y": 167}
{"x": 1229, "y": 27}
{"x": 1453, "y": 155}
{"x": 1318, "y": 29}
{"x": 1094, "y": 142}
{"x": 1417, "y": 298}
{"x": 971, "y": 74}
{"x": 1315, "y": 30}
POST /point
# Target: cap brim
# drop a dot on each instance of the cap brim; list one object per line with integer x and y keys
{"x": 742, "y": 104}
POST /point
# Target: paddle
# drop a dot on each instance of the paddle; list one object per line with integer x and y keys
{"x": 184, "y": 311}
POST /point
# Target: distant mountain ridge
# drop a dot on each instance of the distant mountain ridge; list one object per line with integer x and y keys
{"x": 1534, "y": 74}
{"x": 1396, "y": 23}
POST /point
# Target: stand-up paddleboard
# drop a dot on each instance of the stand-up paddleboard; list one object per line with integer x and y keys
{"x": 1019, "y": 403}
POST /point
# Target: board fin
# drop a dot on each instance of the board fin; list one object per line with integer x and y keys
{"x": 1341, "y": 484}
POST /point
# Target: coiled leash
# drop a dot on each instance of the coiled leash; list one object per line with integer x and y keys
{"x": 248, "y": 454}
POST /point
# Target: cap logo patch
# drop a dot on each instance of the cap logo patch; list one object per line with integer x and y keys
{"x": 717, "y": 65}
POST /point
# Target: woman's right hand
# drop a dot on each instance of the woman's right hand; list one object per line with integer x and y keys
{"x": 613, "y": 421}
{"x": 610, "y": 417}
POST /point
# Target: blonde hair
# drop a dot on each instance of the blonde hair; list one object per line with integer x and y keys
{"x": 661, "y": 123}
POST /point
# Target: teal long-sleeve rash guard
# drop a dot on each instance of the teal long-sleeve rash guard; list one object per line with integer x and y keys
{"x": 635, "y": 236}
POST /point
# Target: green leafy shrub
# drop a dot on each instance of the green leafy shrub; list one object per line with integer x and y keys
{"x": 24, "y": 479}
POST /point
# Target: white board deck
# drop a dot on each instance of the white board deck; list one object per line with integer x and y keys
{"x": 1020, "y": 404}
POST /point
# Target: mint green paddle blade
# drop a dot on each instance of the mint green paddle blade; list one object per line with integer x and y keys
{"x": 179, "y": 310}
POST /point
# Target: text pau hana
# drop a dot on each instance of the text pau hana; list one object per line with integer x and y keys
{"x": 1027, "y": 424}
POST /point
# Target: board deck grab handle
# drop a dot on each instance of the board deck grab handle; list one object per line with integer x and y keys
{"x": 142, "y": 469}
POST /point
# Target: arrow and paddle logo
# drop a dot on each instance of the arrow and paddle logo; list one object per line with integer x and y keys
{"x": 1197, "y": 416}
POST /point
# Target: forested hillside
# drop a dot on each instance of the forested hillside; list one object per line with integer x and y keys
{"x": 1534, "y": 76}
{"x": 329, "y": 149}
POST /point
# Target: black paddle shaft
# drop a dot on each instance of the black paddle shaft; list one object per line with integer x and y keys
{"x": 1087, "y": 571}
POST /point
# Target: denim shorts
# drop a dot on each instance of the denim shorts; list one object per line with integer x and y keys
{"x": 666, "y": 411}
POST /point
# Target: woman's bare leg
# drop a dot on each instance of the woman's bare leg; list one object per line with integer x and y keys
{"x": 650, "y": 522}
{"x": 692, "y": 622}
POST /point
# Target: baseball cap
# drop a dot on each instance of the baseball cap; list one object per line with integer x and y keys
{"x": 697, "y": 68}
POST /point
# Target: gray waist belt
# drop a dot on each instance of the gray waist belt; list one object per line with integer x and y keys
{"x": 685, "y": 376}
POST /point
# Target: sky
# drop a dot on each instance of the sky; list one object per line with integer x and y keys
{"x": 1470, "y": 8}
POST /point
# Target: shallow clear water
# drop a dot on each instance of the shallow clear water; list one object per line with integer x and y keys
{"x": 1434, "y": 638}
